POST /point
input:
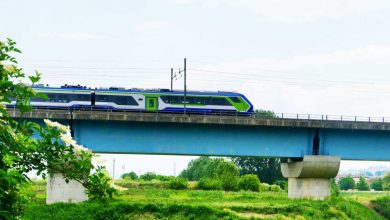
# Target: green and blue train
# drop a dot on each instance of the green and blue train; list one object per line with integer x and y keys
{"x": 146, "y": 100}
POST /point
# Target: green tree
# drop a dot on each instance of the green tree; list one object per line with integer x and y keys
{"x": 362, "y": 185}
{"x": 386, "y": 182}
{"x": 202, "y": 167}
{"x": 148, "y": 176}
{"x": 129, "y": 176}
{"x": 249, "y": 182}
{"x": 21, "y": 151}
{"x": 264, "y": 113}
{"x": 266, "y": 169}
{"x": 227, "y": 172}
{"x": 377, "y": 184}
{"x": 346, "y": 183}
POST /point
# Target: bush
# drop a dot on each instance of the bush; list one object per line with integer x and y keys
{"x": 282, "y": 184}
{"x": 382, "y": 205}
{"x": 227, "y": 172}
{"x": 362, "y": 185}
{"x": 334, "y": 189}
{"x": 346, "y": 183}
{"x": 377, "y": 184}
{"x": 264, "y": 187}
{"x": 148, "y": 176}
{"x": 249, "y": 182}
{"x": 275, "y": 188}
{"x": 163, "y": 178}
{"x": 386, "y": 182}
{"x": 129, "y": 176}
{"x": 178, "y": 183}
{"x": 209, "y": 184}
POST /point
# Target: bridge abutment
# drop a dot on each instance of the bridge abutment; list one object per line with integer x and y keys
{"x": 57, "y": 190}
{"x": 310, "y": 178}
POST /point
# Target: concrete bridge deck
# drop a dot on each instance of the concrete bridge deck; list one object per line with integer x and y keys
{"x": 254, "y": 120}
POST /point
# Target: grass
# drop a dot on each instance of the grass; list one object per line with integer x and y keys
{"x": 382, "y": 205}
{"x": 150, "y": 203}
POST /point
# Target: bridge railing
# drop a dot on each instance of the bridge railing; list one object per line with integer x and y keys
{"x": 270, "y": 115}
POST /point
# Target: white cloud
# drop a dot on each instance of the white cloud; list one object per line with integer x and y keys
{"x": 70, "y": 35}
{"x": 298, "y": 11}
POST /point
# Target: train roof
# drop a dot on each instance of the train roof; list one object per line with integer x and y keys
{"x": 121, "y": 89}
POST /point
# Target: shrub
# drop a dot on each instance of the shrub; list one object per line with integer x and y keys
{"x": 275, "y": 188}
{"x": 382, "y": 205}
{"x": 334, "y": 189}
{"x": 129, "y": 176}
{"x": 227, "y": 172}
{"x": 346, "y": 183}
{"x": 249, "y": 182}
{"x": 386, "y": 182}
{"x": 148, "y": 176}
{"x": 282, "y": 184}
{"x": 362, "y": 185}
{"x": 209, "y": 184}
{"x": 163, "y": 178}
{"x": 377, "y": 184}
{"x": 178, "y": 183}
{"x": 264, "y": 187}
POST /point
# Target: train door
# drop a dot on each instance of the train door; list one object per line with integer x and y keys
{"x": 151, "y": 104}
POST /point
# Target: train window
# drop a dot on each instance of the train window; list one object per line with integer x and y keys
{"x": 220, "y": 101}
{"x": 235, "y": 99}
{"x": 117, "y": 99}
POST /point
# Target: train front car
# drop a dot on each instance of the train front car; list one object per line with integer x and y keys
{"x": 222, "y": 103}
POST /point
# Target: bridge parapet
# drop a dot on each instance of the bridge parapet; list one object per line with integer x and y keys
{"x": 254, "y": 120}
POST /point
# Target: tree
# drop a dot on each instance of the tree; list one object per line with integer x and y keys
{"x": 20, "y": 150}
{"x": 229, "y": 175}
{"x": 266, "y": 169}
{"x": 346, "y": 183}
{"x": 264, "y": 113}
{"x": 202, "y": 167}
{"x": 377, "y": 184}
{"x": 362, "y": 185}
{"x": 129, "y": 176}
{"x": 249, "y": 182}
{"x": 148, "y": 176}
{"x": 386, "y": 182}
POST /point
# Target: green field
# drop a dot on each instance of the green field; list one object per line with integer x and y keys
{"x": 151, "y": 203}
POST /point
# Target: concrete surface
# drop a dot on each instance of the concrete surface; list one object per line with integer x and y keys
{"x": 198, "y": 119}
{"x": 310, "y": 178}
{"x": 57, "y": 190}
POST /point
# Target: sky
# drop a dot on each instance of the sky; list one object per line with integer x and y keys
{"x": 305, "y": 56}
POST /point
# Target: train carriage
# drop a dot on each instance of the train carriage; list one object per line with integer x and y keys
{"x": 147, "y": 100}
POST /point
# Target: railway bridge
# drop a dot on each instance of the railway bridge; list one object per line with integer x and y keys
{"x": 310, "y": 146}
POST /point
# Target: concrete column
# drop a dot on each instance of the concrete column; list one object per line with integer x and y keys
{"x": 57, "y": 190}
{"x": 310, "y": 177}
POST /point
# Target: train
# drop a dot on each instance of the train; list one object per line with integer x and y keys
{"x": 145, "y": 100}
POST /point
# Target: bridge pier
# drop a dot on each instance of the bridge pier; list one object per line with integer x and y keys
{"x": 310, "y": 178}
{"x": 57, "y": 190}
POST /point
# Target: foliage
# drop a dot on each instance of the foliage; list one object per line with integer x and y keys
{"x": 264, "y": 113}
{"x": 266, "y": 169}
{"x": 198, "y": 204}
{"x": 386, "y": 182}
{"x": 283, "y": 184}
{"x": 377, "y": 184}
{"x": 129, "y": 176}
{"x": 209, "y": 184}
{"x": 178, "y": 183}
{"x": 334, "y": 189}
{"x": 98, "y": 187}
{"x": 346, "y": 183}
{"x": 227, "y": 173}
{"x": 382, "y": 205}
{"x": 148, "y": 176}
{"x": 362, "y": 185}
{"x": 202, "y": 167}
{"x": 141, "y": 184}
{"x": 249, "y": 182}
{"x": 20, "y": 150}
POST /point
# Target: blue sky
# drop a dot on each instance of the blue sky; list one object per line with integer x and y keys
{"x": 303, "y": 56}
